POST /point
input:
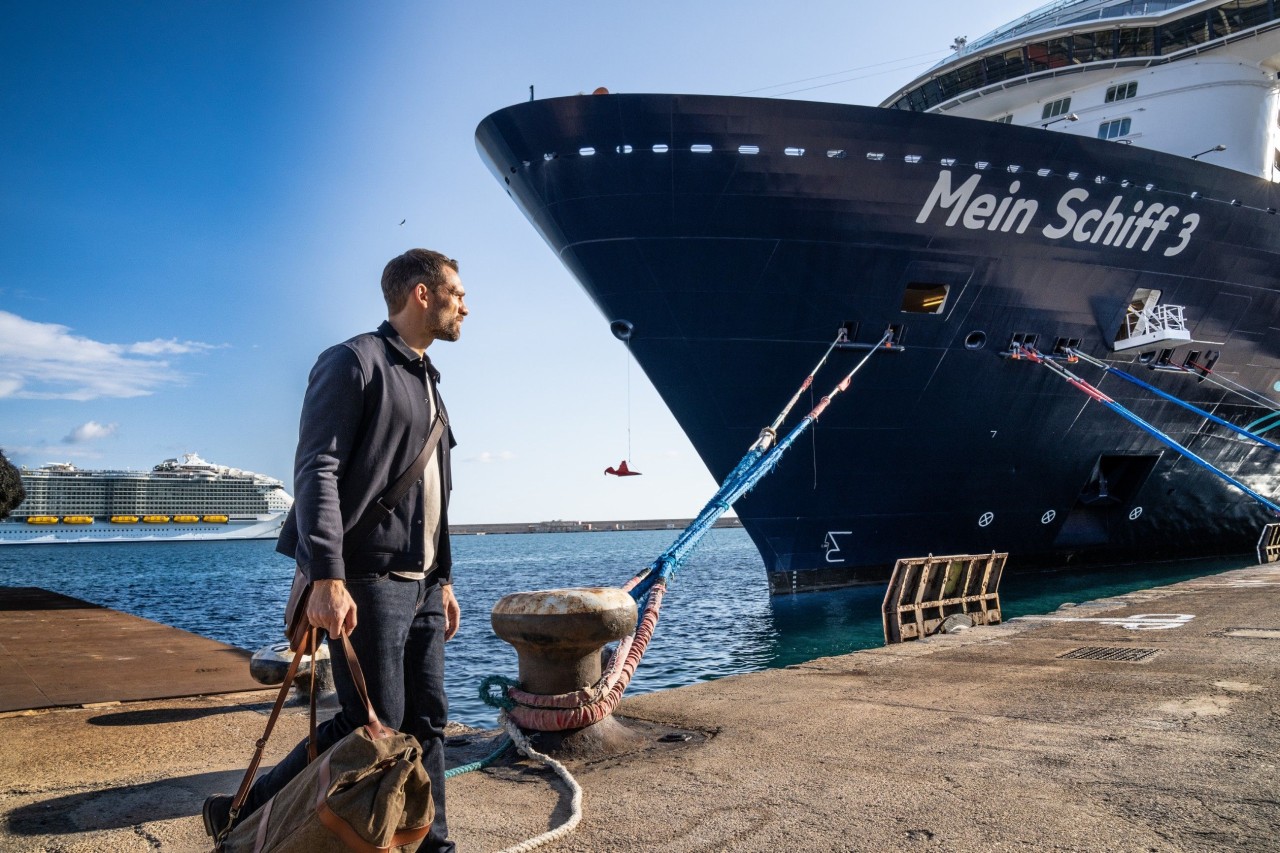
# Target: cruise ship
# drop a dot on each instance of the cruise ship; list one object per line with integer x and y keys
{"x": 1087, "y": 190}
{"x": 182, "y": 499}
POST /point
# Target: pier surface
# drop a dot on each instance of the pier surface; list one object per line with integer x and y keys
{"x": 1000, "y": 738}
{"x": 58, "y": 651}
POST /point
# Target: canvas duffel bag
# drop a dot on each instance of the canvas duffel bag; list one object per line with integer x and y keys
{"x": 368, "y": 792}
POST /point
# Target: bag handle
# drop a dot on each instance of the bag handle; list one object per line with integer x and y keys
{"x": 304, "y": 641}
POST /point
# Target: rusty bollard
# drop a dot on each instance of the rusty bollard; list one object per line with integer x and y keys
{"x": 558, "y": 635}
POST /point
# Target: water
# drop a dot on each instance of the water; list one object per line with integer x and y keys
{"x": 717, "y": 619}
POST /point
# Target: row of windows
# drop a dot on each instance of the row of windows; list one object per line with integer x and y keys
{"x": 1099, "y": 46}
{"x": 1108, "y": 129}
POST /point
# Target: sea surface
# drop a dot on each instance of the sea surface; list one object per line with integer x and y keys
{"x": 717, "y": 618}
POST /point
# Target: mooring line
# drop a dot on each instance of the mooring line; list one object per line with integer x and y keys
{"x": 1133, "y": 418}
{"x": 1172, "y": 399}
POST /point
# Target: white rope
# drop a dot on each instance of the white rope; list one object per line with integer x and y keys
{"x": 575, "y": 805}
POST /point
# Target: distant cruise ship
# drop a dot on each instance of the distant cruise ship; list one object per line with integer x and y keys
{"x": 185, "y": 499}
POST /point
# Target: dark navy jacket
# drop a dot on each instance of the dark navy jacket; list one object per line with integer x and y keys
{"x": 364, "y": 420}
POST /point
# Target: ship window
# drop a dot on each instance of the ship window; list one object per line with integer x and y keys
{"x": 924, "y": 298}
{"x": 911, "y": 158}
{"x": 1185, "y": 32}
{"x": 1122, "y": 91}
{"x": 794, "y": 152}
{"x": 748, "y": 149}
{"x": 1005, "y": 119}
{"x": 586, "y": 152}
{"x": 623, "y": 149}
{"x": 700, "y": 148}
{"x": 875, "y": 155}
{"x": 661, "y": 148}
{"x": 1137, "y": 41}
{"x": 1114, "y": 129}
{"x": 1056, "y": 108}
{"x": 837, "y": 153}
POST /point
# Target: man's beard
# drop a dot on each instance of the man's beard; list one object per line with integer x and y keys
{"x": 448, "y": 331}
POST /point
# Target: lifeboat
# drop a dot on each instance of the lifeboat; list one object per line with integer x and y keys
{"x": 77, "y": 519}
{"x": 216, "y": 519}
{"x": 124, "y": 519}
{"x": 186, "y": 519}
{"x": 42, "y": 519}
{"x": 155, "y": 519}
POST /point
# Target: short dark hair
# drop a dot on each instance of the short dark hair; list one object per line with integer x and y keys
{"x": 416, "y": 266}
{"x": 11, "y": 491}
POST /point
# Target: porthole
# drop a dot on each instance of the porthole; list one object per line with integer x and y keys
{"x": 975, "y": 340}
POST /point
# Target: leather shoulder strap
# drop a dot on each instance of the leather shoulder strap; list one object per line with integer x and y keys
{"x": 383, "y": 505}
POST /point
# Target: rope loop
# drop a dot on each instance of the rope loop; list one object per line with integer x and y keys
{"x": 500, "y": 700}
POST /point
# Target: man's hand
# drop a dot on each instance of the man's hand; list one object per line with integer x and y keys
{"x": 452, "y": 613}
{"x": 330, "y": 607}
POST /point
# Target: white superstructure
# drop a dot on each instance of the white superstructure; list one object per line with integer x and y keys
{"x": 180, "y": 499}
{"x": 1195, "y": 79}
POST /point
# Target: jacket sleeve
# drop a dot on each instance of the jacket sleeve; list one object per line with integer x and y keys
{"x": 331, "y": 417}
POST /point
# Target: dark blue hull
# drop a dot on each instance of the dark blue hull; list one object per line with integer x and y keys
{"x": 765, "y": 226}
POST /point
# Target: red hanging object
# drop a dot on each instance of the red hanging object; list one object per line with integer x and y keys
{"x": 622, "y": 470}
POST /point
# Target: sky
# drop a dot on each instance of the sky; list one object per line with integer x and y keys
{"x": 196, "y": 198}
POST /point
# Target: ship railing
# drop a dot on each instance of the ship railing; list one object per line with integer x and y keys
{"x": 1152, "y": 324}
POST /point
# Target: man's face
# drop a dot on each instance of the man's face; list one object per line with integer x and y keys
{"x": 447, "y": 308}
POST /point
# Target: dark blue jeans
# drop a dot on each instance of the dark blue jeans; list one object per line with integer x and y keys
{"x": 399, "y": 641}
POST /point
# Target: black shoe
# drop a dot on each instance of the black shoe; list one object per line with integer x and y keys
{"x": 217, "y": 815}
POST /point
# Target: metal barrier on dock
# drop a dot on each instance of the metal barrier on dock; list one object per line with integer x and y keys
{"x": 1269, "y": 544}
{"x": 925, "y": 591}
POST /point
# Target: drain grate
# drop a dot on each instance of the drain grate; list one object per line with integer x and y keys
{"x": 1112, "y": 653}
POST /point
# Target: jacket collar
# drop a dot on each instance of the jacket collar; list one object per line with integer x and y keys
{"x": 389, "y": 333}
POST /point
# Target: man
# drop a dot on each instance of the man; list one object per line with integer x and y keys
{"x": 368, "y": 411}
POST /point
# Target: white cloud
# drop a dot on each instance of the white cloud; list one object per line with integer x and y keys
{"x": 46, "y": 361}
{"x": 170, "y": 347}
{"x": 487, "y": 457}
{"x": 90, "y": 431}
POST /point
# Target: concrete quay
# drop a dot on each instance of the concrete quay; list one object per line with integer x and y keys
{"x": 1001, "y": 738}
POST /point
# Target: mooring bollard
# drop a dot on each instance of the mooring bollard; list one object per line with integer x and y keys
{"x": 558, "y": 635}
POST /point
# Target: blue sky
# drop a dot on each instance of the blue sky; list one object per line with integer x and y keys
{"x": 197, "y": 198}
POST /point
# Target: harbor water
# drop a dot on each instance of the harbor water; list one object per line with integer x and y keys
{"x": 718, "y": 618}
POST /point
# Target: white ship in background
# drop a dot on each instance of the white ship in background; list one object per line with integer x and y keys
{"x": 184, "y": 499}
